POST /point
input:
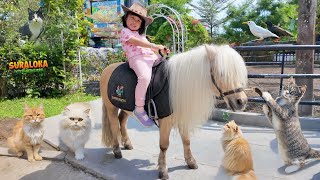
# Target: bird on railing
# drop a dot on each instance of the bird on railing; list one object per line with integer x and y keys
{"x": 278, "y": 30}
{"x": 259, "y": 31}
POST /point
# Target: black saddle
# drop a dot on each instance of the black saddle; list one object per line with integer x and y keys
{"x": 122, "y": 84}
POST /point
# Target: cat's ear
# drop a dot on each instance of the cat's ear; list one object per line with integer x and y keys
{"x": 41, "y": 106}
{"x": 87, "y": 111}
{"x": 303, "y": 88}
{"x": 30, "y": 11}
{"x": 236, "y": 129}
{"x": 26, "y": 107}
{"x": 66, "y": 108}
{"x": 291, "y": 80}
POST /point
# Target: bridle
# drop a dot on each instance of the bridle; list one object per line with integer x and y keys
{"x": 223, "y": 94}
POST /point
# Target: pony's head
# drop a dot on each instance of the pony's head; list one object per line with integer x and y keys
{"x": 195, "y": 79}
{"x": 228, "y": 74}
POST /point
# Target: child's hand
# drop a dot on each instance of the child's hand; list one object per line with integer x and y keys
{"x": 163, "y": 49}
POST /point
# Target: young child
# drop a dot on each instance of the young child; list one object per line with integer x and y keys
{"x": 140, "y": 53}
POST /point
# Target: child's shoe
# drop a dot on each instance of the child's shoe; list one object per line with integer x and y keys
{"x": 143, "y": 118}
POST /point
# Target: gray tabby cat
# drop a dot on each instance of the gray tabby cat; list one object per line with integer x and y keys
{"x": 283, "y": 115}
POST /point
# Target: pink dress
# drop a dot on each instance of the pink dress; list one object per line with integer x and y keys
{"x": 141, "y": 60}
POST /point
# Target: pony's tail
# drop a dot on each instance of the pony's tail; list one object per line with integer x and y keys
{"x": 107, "y": 138}
{"x": 250, "y": 175}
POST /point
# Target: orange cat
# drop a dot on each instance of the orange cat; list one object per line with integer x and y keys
{"x": 237, "y": 160}
{"x": 28, "y": 133}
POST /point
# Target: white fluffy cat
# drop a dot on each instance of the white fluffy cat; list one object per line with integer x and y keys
{"x": 75, "y": 128}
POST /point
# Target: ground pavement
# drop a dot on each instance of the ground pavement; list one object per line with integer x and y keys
{"x": 141, "y": 162}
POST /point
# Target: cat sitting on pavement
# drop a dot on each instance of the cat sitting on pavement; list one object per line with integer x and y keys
{"x": 237, "y": 159}
{"x": 75, "y": 128}
{"x": 28, "y": 134}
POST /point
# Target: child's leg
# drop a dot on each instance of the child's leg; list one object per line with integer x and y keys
{"x": 143, "y": 70}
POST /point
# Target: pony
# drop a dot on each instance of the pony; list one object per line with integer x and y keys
{"x": 196, "y": 78}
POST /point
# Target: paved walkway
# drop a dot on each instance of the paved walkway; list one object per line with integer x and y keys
{"x": 141, "y": 162}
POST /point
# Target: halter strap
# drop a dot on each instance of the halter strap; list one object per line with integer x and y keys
{"x": 223, "y": 94}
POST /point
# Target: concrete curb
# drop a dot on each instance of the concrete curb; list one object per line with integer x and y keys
{"x": 47, "y": 155}
{"x": 260, "y": 120}
{"x": 69, "y": 159}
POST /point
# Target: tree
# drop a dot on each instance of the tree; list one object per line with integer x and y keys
{"x": 209, "y": 11}
{"x": 305, "y": 58}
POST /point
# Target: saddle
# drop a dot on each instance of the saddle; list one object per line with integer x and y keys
{"x": 122, "y": 84}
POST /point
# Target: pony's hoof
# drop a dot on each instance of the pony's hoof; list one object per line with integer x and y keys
{"x": 128, "y": 147}
{"x": 118, "y": 155}
{"x": 193, "y": 166}
{"x": 163, "y": 175}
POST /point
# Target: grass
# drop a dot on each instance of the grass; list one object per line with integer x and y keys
{"x": 52, "y": 106}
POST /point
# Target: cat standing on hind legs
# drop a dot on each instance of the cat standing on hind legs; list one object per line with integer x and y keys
{"x": 28, "y": 134}
{"x": 283, "y": 115}
{"x": 75, "y": 128}
{"x": 237, "y": 159}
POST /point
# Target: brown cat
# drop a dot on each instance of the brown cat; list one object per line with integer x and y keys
{"x": 28, "y": 133}
{"x": 237, "y": 160}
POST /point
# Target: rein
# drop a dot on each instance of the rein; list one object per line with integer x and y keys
{"x": 223, "y": 94}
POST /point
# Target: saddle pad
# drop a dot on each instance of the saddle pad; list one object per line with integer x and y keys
{"x": 122, "y": 84}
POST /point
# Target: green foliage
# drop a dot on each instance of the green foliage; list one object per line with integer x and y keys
{"x": 52, "y": 106}
{"x": 64, "y": 30}
{"x": 226, "y": 116}
{"x": 279, "y": 12}
{"x": 196, "y": 33}
{"x": 160, "y": 31}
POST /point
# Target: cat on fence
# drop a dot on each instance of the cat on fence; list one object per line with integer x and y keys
{"x": 32, "y": 29}
{"x": 75, "y": 128}
{"x": 283, "y": 115}
{"x": 28, "y": 134}
{"x": 237, "y": 159}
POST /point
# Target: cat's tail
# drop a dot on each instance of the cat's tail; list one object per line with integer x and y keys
{"x": 313, "y": 154}
{"x": 107, "y": 138}
{"x": 250, "y": 175}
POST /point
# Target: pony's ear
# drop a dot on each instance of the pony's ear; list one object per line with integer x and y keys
{"x": 210, "y": 51}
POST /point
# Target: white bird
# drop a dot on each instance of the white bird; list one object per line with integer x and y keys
{"x": 259, "y": 31}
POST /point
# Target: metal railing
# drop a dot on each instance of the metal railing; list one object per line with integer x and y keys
{"x": 282, "y": 49}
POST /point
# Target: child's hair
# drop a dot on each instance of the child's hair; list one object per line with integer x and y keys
{"x": 143, "y": 22}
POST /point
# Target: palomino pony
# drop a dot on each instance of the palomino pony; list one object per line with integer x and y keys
{"x": 196, "y": 78}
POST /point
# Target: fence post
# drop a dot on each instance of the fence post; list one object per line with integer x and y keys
{"x": 305, "y": 59}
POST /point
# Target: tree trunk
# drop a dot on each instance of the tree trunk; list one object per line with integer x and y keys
{"x": 3, "y": 88}
{"x": 305, "y": 58}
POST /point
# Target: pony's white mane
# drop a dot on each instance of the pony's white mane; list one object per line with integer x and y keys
{"x": 191, "y": 89}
